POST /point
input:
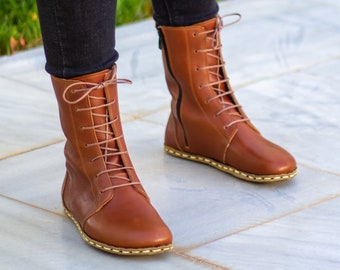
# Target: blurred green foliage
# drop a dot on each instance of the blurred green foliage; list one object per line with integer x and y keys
{"x": 132, "y": 10}
{"x": 19, "y": 24}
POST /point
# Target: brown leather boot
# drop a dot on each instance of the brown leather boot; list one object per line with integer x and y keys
{"x": 206, "y": 123}
{"x": 101, "y": 192}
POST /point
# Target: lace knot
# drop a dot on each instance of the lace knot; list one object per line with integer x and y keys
{"x": 89, "y": 88}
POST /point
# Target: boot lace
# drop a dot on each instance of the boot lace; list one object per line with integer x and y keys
{"x": 111, "y": 139}
{"x": 221, "y": 79}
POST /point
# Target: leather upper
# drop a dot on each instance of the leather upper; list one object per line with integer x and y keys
{"x": 101, "y": 189}
{"x": 201, "y": 122}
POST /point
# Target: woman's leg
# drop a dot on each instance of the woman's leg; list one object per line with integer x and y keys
{"x": 183, "y": 13}
{"x": 78, "y": 36}
{"x": 101, "y": 193}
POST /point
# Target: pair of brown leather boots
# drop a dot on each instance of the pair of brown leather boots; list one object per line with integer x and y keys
{"x": 102, "y": 193}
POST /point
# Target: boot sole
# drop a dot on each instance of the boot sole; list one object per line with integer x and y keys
{"x": 118, "y": 250}
{"x": 230, "y": 170}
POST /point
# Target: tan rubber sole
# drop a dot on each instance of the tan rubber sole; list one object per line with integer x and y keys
{"x": 118, "y": 250}
{"x": 230, "y": 170}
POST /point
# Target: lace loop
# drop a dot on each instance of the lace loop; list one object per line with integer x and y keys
{"x": 221, "y": 24}
{"x": 87, "y": 91}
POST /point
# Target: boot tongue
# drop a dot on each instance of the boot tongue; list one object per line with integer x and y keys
{"x": 103, "y": 131}
{"x": 212, "y": 41}
{"x": 96, "y": 77}
{"x": 214, "y": 58}
{"x": 209, "y": 24}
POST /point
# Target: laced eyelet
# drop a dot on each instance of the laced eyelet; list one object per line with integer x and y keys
{"x": 194, "y": 34}
{"x": 198, "y": 69}
{"x": 86, "y": 145}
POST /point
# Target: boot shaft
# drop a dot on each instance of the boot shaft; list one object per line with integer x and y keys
{"x": 199, "y": 85}
{"x": 206, "y": 123}
{"x": 97, "y": 160}
{"x": 101, "y": 191}
{"x": 193, "y": 57}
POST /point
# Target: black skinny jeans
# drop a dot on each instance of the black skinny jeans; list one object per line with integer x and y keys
{"x": 79, "y": 35}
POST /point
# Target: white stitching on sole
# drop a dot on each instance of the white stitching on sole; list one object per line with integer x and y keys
{"x": 229, "y": 169}
{"x": 118, "y": 250}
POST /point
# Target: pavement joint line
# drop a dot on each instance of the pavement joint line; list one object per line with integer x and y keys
{"x": 283, "y": 73}
{"x": 318, "y": 169}
{"x": 297, "y": 210}
{"x": 32, "y": 205}
{"x": 200, "y": 260}
{"x": 14, "y": 154}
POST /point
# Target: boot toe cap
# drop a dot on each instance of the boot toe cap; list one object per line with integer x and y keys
{"x": 129, "y": 225}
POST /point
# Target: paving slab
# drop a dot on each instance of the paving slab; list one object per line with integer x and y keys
{"x": 283, "y": 59}
{"x": 308, "y": 239}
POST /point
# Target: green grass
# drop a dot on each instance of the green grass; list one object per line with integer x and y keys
{"x": 19, "y": 24}
{"x": 132, "y": 10}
